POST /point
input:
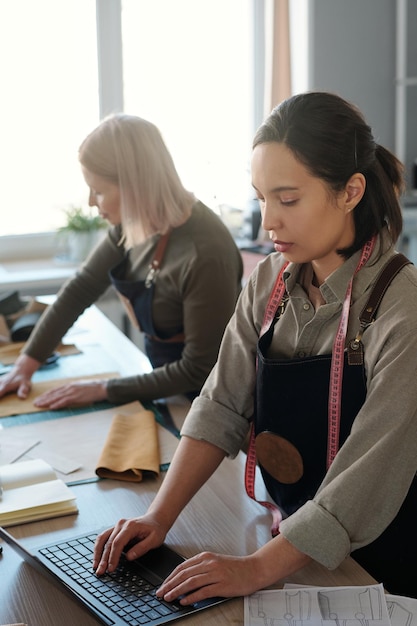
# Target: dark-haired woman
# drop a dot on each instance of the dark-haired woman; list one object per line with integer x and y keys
{"x": 333, "y": 403}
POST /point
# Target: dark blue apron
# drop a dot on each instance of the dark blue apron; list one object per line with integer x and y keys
{"x": 291, "y": 421}
{"x": 291, "y": 428}
{"x": 138, "y": 297}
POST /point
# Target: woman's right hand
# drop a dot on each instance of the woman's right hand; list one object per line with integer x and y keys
{"x": 145, "y": 533}
{"x": 19, "y": 377}
{"x": 193, "y": 463}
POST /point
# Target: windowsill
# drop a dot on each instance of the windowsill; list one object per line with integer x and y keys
{"x": 29, "y": 246}
{"x": 35, "y": 276}
{"x": 31, "y": 263}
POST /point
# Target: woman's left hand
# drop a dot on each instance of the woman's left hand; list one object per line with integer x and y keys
{"x": 207, "y": 575}
{"x": 73, "y": 394}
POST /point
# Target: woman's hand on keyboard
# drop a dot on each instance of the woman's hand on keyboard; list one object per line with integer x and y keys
{"x": 134, "y": 537}
{"x": 208, "y": 575}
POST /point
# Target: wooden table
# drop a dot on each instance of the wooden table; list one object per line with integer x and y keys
{"x": 220, "y": 518}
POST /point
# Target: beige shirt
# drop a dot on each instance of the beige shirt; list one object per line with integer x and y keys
{"x": 372, "y": 472}
{"x": 195, "y": 293}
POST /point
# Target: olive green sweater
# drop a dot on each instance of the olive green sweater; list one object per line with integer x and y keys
{"x": 195, "y": 293}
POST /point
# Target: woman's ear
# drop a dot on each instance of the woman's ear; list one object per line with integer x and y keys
{"x": 354, "y": 190}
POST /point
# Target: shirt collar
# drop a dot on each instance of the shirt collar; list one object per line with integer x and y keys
{"x": 335, "y": 286}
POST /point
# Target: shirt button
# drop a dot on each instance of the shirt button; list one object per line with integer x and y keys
{"x": 301, "y": 354}
{"x": 306, "y": 306}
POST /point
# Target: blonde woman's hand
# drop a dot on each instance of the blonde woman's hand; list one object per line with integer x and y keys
{"x": 19, "y": 378}
{"x": 73, "y": 394}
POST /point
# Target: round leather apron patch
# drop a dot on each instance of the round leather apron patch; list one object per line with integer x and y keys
{"x": 279, "y": 457}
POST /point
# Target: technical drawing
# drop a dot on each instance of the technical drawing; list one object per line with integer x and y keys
{"x": 399, "y": 614}
{"x": 295, "y": 609}
{"x": 324, "y": 606}
{"x": 363, "y": 606}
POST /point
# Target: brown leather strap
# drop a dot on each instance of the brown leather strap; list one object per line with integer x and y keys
{"x": 384, "y": 278}
{"x": 160, "y": 250}
{"x": 157, "y": 259}
{"x": 368, "y": 313}
{"x": 179, "y": 338}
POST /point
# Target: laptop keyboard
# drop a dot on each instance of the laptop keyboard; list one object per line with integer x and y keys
{"x": 125, "y": 592}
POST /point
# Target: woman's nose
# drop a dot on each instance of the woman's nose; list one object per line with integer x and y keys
{"x": 92, "y": 199}
{"x": 270, "y": 217}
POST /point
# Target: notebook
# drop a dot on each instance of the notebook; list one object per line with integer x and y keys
{"x": 32, "y": 491}
{"x": 124, "y": 598}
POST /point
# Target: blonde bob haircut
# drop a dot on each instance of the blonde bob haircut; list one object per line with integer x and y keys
{"x": 130, "y": 152}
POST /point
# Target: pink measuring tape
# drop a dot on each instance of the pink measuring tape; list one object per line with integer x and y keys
{"x": 336, "y": 368}
{"x": 335, "y": 387}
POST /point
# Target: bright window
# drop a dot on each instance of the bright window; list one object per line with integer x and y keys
{"x": 187, "y": 67}
{"x": 48, "y": 63}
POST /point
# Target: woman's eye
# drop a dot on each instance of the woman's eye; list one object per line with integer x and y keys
{"x": 288, "y": 202}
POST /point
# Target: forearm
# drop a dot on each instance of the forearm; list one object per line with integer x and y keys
{"x": 193, "y": 463}
{"x": 276, "y": 560}
{"x": 27, "y": 365}
{"x": 79, "y": 292}
{"x": 54, "y": 323}
{"x": 161, "y": 382}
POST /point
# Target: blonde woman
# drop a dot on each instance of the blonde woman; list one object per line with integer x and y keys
{"x": 171, "y": 259}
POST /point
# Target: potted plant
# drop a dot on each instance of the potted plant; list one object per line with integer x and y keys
{"x": 82, "y": 231}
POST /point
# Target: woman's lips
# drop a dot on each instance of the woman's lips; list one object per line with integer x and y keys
{"x": 282, "y": 246}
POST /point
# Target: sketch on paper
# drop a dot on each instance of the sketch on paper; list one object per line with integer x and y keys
{"x": 293, "y": 609}
{"x": 323, "y": 606}
{"x": 333, "y": 606}
{"x": 363, "y": 605}
{"x": 402, "y": 610}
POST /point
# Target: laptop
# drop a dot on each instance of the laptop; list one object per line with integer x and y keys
{"x": 125, "y": 597}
